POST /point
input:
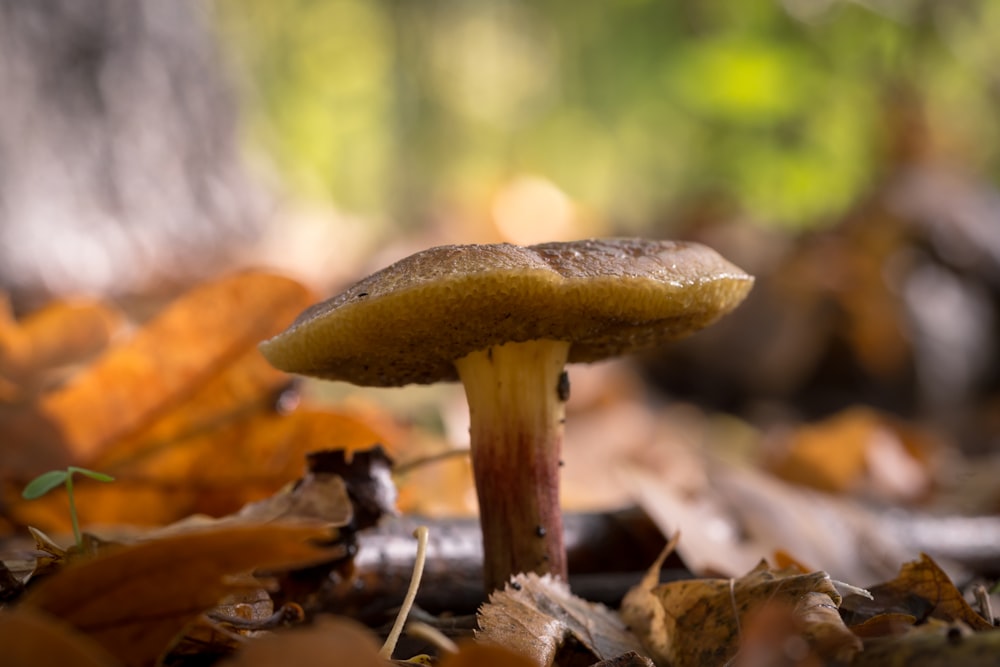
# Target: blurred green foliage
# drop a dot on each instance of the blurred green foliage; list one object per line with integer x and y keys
{"x": 783, "y": 111}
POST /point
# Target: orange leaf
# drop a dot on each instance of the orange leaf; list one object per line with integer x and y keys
{"x": 31, "y": 638}
{"x": 213, "y": 472}
{"x": 184, "y": 346}
{"x": 855, "y": 447}
{"x": 246, "y": 387}
{"x": 472, "y": 654}
{"x": 60, "y": 333}
{"x": 923, "y": 589}
{"x": 328, "y": 641}
{"x": 133, "y": 383}
{"x": 135, "y": 600}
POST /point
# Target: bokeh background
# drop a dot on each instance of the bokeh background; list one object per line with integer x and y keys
{"x": 847, "y": 153}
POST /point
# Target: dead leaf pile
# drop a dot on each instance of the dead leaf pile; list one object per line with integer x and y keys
{"x": 134, "y": 601}
{"x": 714, "y": 621}
{"x": 922, "y": 591}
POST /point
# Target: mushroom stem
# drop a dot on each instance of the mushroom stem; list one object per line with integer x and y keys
{"x": 516, "y": 431}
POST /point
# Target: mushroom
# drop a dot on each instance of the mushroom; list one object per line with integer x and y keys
{"x": 505, "y": 320}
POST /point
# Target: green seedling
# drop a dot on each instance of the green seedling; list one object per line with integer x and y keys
{"x": 47, "y": 481}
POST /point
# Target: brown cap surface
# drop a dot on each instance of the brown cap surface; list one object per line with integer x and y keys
{"x": 409, "y": 322}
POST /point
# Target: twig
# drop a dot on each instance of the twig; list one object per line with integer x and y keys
{"x": 418, "y": 570}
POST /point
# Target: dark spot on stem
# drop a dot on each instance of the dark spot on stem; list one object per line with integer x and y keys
{"x": 562, "y": 388}
{"x": 540, "y": 531}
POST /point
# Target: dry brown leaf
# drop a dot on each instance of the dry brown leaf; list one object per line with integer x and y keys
{"x": 189, "y": 342}
{"x": 31, "y": 638}
{"x": 921, "y": 590}
{"x": 642, "y": 610}
{"x": 698, "y": 622}
{"x": 771, "y": 636}
{"x": 884, "y": 625}
{"x": 135, "y": 600}
{"x": 537, "y": 615}
{"x": 824, "y": 630}
{"x": 806, "y": 634}
{"x": 927, "y": 580}
{"x": 316, "y": 498}
{"x": 328, "y": 641}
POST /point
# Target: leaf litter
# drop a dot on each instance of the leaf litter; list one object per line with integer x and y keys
{"x": 192, "y": 422}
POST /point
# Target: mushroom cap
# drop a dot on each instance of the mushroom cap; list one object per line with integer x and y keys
{"x": 409, "y": 322}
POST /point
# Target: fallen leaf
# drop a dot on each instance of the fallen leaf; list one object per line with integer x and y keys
{"x": 823, "y": 629}
{"x": 700, "y": 620}
{"x": 135, "y": 600}
{"x": 316, "y": 498}
{"x": 248, "y": 386}
{"x": 475, "y": 654}
{"x": 214, "y": 472}
{"x": 189, "y": 342}
{"x": 537, "y": 616}
{"x": 858, "y": 450}
{"x": 367, "y": 474}
{"x": 61, "y": 332}
{"x": 772, "y": 635}
{"x": 921, "y": 590}
{"x": 890, "y": 624}
{"x": 328, "y": 641}
{"x": 30, "y": 638}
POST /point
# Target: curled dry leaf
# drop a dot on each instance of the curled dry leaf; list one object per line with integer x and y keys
{"x": 367, "y": 474}
{"x": 699, "y": 622}
{"x": 135, "y": 600}
{"x": 537, "y": 615}
{"x": 315, "y": 499}
{"x": 824, "y": 630}
{"x": 922, "y": 590}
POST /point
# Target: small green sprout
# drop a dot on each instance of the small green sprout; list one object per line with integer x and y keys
{"x": 47, "y": 481}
